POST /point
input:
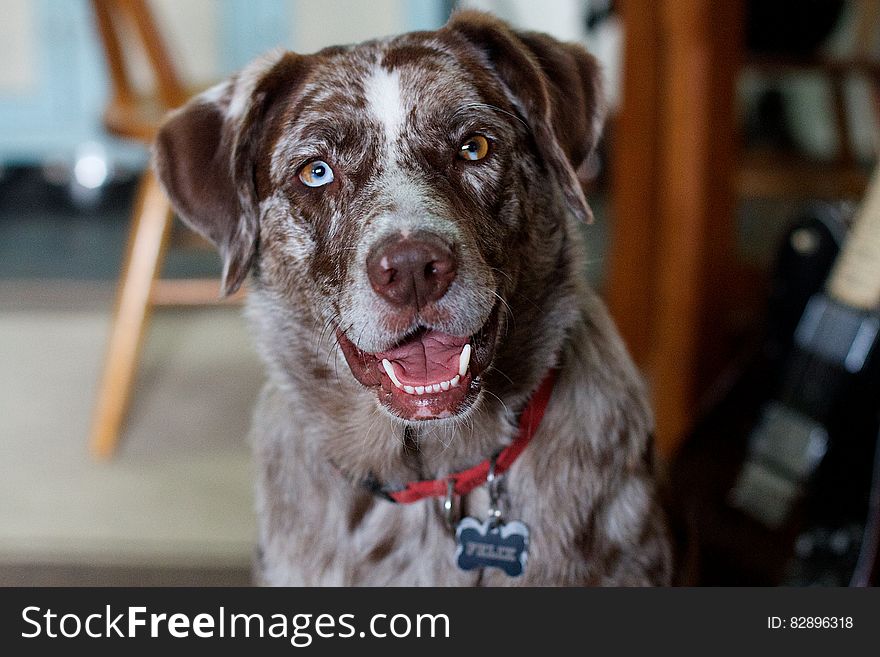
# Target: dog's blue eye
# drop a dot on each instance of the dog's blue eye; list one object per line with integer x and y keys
{"x": 316, "y": 174}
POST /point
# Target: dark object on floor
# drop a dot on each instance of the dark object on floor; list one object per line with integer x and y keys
{"x": 44, "y": 235}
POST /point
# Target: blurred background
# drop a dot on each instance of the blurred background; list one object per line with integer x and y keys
{"x": 736, "y": 242}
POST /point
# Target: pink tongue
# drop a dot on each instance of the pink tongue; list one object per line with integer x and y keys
{"x": 429, "y": 358}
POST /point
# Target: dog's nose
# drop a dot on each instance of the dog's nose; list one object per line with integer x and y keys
{"x": 411, "y": 271}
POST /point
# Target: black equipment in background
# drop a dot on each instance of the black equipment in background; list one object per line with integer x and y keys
{"x": 778, "y": 483}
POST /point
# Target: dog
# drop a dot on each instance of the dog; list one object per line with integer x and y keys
{"x": 407, "y": 213}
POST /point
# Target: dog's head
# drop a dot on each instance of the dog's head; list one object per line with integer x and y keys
{"x": 396, "y": 191}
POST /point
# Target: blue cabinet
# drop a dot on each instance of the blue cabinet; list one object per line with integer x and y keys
{"x": 60, "y": 108}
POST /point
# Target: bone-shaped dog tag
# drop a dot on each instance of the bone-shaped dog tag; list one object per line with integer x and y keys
{"x": 492, "y": 544}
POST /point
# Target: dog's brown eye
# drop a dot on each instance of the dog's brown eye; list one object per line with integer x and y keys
{"x": 474, "y": 148}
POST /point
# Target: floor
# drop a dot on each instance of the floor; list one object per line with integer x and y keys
{"x": 175, "y": 505}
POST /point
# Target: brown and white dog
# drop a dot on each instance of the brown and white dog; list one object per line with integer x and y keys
{"x": 408, "y": 213}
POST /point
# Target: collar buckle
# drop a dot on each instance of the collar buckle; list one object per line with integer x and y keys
{"x": 493, "y": 482}
{"x": 447, "y": 502}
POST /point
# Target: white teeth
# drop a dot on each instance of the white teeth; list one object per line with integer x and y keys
{"x": 389, "y": 370}
{"x": 464, "y": 359}
{"x": 420, "y": 390}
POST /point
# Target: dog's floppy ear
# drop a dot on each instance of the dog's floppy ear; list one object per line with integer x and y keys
{"x": 204, "y": 157}
{"x": 557, "y": 87}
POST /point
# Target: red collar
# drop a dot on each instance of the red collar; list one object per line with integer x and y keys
{"x": 467, "y": 480}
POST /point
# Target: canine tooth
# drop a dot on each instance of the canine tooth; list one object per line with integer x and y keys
{"x": 444, "y": 385}
{"x": 389, "y": 370}
{"x": 454, "y": 381}
{"x": 464, "y": 360}
{"x": 420, "y": 390}
{"x": 409, "y": 389}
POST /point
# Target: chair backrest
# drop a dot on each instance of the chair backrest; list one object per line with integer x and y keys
{"x": 127, "y": 24}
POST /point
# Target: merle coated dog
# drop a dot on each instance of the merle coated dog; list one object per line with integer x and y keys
{"x": 407, "y": 213}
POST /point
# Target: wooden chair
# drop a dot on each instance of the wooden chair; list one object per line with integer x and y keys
{"x": 125, "y": 25}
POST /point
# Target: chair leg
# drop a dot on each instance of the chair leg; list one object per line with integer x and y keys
{"x": 148, "y": 237}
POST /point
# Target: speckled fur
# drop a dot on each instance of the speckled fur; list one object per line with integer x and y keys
{"x": 229, "y": 160}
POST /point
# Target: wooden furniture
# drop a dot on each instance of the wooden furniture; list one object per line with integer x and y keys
{"x": 764, "y": 175}
{"x": 673, "y": 204}
{"x": 678, "y": 171}
{"x": 124, "y": 25}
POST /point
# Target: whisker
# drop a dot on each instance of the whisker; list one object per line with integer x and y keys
{"x": 501, "y": 372}
{"x": 375, "y": 419}
{"x": 503, "y": 273}
{"x": 500, "y": 401}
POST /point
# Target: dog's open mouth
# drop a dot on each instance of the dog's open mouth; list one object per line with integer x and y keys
{"x": 429, "y": 374}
